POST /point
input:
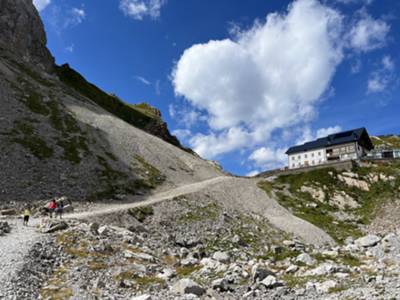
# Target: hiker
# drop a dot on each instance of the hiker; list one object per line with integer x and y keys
{"x": 60, "y": 209}
{"x": 52, "y": 207}
{"x": 27, "y": 214}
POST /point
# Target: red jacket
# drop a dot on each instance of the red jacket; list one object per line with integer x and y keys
{"x": 52, "y": 205}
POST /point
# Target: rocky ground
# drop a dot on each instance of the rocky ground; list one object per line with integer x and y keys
{"x": 241, "y": 260}
{"x": 16, "y": 241}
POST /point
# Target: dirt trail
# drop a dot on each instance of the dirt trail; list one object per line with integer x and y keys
{"x": 239, "y": 193}
{"x": 153, "y": 199}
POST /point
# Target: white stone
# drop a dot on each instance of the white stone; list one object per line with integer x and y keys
{"x": 330, "y": 253}
{"x": 222, "y": 257}
{"x": 305, "y": 258}
{"x": 325, "y": 269}
{"x": 292, "y": 269}
{"x": 190, "y": 261}
{"x": 187, "y": 286}
{"x": 361, "y": 184}
{"x": 368, "y": 240}
{"x": 342, "y": 201}
{"x": 270, "y": 281}
{"x": 316, "y": 193}
{"x": 140, "y": 256}
{"x": 142, "y": 297}
{"x": 326, "y": 286}
{"x": 103, "y": 230}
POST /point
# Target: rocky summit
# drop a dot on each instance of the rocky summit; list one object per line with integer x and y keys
{"x": 145, "y": 218}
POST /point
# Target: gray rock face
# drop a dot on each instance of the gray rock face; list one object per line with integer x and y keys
{"x": 22, "y": 33}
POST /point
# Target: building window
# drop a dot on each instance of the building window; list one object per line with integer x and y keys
{"x": 312, "y": 154}
{"x": 305, "y": 155}
{"x": 298, "y": 157}
{"x": 319, "y": 153}
{"x": 293, "y": 165}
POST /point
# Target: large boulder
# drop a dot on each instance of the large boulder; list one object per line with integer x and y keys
{"x": 55, "y": 226}
{"x": 4, "y": 228}
{"x": 8, "y": 212}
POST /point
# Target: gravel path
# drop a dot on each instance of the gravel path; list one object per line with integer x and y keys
{"x": 240, "y": 193}
{"x": 153, "y": 199}
{"x": 13, "y": 248}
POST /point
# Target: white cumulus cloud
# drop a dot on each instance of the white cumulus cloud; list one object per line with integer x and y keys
{"x": 364, "y": 2}
{"x": 368, "y": 33}
{"x": 75, "y": 17}
{"x": 138, "y": 9}
{"x": 382, "y": 77}
{"x": 41, "y": 4}
{"x": 269, "y": 77}
{"x": 268, "y": 158}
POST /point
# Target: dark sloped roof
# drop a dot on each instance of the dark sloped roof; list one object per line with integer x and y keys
{"x": 360, "y": 135}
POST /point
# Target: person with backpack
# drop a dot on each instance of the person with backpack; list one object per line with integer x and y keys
{"x": 27, "y": 214}
{"x": 52, "y": 207}
{"x": 60, "y": 209}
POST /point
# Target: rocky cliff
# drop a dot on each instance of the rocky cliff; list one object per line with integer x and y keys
{"x": 61, "y": 135}
{"x": 22, "y": 36}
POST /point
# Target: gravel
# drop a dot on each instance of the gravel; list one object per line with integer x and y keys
{"x": 14, "y": 246}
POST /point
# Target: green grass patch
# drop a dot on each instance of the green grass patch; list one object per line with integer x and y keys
{"x": 319, "y": 177}
{"x": 72, "y": 148}
{"x": 185, "y": 271}
{"x": 266, "y": 186}
{"x": 141, "y": 213}
{"x": 24, "y": 134}
{"x": 140, "y": 281}
{"x": 293, "y": 281}
{"x": 320, "y": 217}
{"x": 210, "y": 211}
{"x": 154, "y": 176}
{"x": 32, "y": 74}
{"x": 62, "y": 121}
{"x": 35, "y": 103}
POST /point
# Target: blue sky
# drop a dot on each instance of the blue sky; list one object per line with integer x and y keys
{"x": 239, "y": 81}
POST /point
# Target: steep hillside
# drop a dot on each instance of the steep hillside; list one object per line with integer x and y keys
{"x": 386, "y": 141}
{"x": 140, "y": 115}
{"x": 61, "y": 135}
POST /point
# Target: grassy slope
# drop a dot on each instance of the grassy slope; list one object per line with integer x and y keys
{"x": 391, "y": 141}
{"x": 141, "y": 115}
{"x": 287, "y": 190}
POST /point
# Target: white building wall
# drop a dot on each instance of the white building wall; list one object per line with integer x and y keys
{"x": 307, "y": 159}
